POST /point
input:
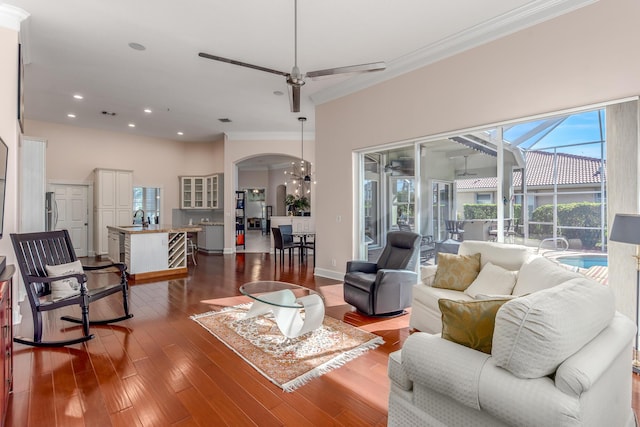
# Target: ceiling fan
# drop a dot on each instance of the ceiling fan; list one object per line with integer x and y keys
{"x": 465, "y": 173}
{"x": 295, "y": 79}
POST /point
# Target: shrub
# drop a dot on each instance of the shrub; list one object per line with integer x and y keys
{"x": 487, "y": 211}
{"x": 581, "y": 214}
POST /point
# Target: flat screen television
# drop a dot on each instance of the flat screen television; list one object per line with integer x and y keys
{"x": 4, "y": 151}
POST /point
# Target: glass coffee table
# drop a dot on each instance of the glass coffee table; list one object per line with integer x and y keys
{"x": 287, "y": 302}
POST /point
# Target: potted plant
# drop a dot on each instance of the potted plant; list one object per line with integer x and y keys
{"x": 296, "y": 204}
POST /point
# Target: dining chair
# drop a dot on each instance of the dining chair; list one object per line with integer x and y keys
{"x": 280, "y": 245}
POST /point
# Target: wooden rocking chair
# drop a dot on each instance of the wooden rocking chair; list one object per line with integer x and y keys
{"x": 37, "y": 251}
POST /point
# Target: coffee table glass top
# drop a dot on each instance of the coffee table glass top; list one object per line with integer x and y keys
{"x": 258, "y": 291}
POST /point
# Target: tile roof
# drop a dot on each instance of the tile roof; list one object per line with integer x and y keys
{"x": 572, "y": 169}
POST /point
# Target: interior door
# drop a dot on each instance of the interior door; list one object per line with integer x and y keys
{"x": 72, "y": 212}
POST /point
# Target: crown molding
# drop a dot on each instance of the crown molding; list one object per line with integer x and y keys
{"x": 493, "y": 29}
{"x": 268, "y": 136}
{"x": 11, "y": 16}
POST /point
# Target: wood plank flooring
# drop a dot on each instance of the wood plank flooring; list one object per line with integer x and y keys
{"x": 162, "y": 369}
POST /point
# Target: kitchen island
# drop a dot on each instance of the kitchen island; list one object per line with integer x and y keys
{"x": 150, "y": 252}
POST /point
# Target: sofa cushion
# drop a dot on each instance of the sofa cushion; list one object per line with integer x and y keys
{"x": 470, "y": 323}
{"x": 492, "y": 280}
{"x": 510, "y": 257}
{"x": 541, "y": 273}
{"x": 456, "y": 272}
{"x": 534, "y": 334}
{"x": 68, "y": 287}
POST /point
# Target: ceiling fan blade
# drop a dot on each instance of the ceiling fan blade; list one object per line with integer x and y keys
{"x": 362, "y": 68}
{"x": 242, "y": 64}
{"x": 294, "y": 98}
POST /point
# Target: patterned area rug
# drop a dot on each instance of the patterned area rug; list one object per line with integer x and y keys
{"x": 287, "y": 363}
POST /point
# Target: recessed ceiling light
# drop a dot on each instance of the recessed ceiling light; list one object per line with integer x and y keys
{"x": 78, "y": 96}
{"x": 278, "y": 92}
{"x": 71, "y": 116}
{"x": 148, "y": 110}
{"x": 132, "y": 125}
{"x": 137, "y": 46}
{"x": 180, "y": 133}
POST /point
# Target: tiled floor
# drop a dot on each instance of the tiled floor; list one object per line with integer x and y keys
{"x": 256, "y": 242}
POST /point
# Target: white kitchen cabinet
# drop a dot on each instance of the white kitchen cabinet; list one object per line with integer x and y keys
{"x": 113, "y": 204}
{"x": 114, "y": 246}
{"x": 212, "y": 191}
{"x": 147, "y": 252}
{"x": 192, "y": 194}
{"x": 200, "y": 192}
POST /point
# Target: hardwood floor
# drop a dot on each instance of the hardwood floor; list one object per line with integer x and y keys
{"x": 162, "y": 369}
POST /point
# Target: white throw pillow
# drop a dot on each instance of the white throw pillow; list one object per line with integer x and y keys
{"x": 492, "y": 280}
{"x": 534, "y": 334}
{"x": 68, "y": 287}
{"x": 541, "y": 273}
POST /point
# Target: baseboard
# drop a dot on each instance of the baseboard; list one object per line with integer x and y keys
{"x": 329, "y": 274}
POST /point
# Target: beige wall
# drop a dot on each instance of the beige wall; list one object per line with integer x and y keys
{"x": 585, "y": 57}
{"x": 238, "y": 150}
{"x": 73, "y": 153}
{"x": 10, "y": 134}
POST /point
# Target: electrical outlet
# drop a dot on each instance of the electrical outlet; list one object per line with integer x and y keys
{"x": 339, "y": 218}
{"x": 333, "y": 262}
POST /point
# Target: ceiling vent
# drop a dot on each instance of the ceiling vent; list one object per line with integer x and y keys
{"x": 224, "y": 120}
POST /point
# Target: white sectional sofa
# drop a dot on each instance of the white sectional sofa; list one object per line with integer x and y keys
{"x": 539, "y": 273}
{"x": 560, "y": 356}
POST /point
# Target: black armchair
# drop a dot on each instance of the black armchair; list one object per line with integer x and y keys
{"x": 385, "y": 288}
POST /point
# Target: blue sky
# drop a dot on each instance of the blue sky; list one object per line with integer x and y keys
{"x": 586, "y": 127}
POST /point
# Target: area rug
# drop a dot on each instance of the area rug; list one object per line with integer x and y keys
{"x": 288, "y": 363}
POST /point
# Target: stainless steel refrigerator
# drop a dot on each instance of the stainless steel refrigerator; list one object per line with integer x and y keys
{"x": 51, "y": 211}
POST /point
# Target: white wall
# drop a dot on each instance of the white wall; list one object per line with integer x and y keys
{"x": 581, "y": 58}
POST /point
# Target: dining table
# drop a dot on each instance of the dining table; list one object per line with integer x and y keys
{"x": 305, "y": 244}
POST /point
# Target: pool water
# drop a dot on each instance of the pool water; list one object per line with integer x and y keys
{"x": 584, "y": 261}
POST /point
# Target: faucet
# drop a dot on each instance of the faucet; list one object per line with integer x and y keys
{"x": 144, "y": 221}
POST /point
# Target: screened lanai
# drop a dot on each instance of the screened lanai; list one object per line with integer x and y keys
{"x": 524, "y": 182}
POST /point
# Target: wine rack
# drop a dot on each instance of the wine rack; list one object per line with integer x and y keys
{"x": 177, "y": 250}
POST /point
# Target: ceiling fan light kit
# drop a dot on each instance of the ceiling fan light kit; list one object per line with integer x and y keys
{"x": 295, "y": 79}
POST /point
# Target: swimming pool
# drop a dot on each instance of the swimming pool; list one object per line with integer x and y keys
{"x": 584, "y": 261}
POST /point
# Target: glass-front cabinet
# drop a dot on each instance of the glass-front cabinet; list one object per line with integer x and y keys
{"x": 212, "y": 191}
{"x": 199, "y": 192}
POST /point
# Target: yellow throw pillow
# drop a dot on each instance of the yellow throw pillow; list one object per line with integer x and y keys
{"x": 456, "y": 272}
{"x": 470, "y": 323}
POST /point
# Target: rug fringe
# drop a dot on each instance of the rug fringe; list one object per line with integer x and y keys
{"x": 335, "y": 363}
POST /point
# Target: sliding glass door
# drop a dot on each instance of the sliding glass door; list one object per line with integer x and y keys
{"x": 442, "y": 198}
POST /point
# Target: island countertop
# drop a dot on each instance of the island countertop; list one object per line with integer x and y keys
{"x": 154, "y": 228}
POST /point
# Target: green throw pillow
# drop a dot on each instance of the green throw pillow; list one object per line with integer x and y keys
{"x": 470, "y": 323}
{"x": 456, "y": 272}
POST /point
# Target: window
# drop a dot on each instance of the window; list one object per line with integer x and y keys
{"x": 484, "y": 198}
{"x": 147, "y": 199}
{"x": 402, "y": 200}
